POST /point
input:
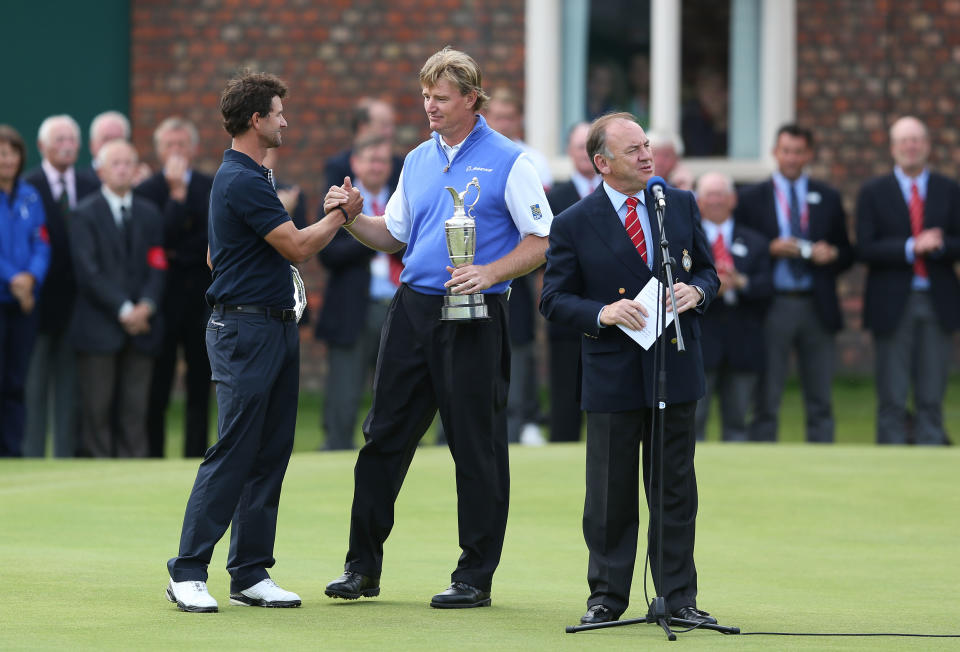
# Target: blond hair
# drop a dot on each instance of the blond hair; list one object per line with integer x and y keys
{"x": 460, "y": 69}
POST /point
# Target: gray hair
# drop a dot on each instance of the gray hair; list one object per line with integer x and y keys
{"x": 728, "y": 184}
{"x": 110, "y": 115}
{"x": 597, "y": 138}
{"x": 43, "y": 134}
{"x": 110, "y": 145}
{"x": 175, "y": 123}
{"x": 661, "y": 137}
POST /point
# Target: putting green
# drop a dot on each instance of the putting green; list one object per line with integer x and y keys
{"x": 790, "y": 538}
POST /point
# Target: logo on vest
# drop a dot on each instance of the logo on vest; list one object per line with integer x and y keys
{"x": 474, "y": 168}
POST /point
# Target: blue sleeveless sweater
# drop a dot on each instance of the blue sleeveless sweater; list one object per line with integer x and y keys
{"x": 486, "y": 155}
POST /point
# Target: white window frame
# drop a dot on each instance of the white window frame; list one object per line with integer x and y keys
{"x": 544, "y": 71}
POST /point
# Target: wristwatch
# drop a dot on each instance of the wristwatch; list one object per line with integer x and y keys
{"x": 700, "y": 291}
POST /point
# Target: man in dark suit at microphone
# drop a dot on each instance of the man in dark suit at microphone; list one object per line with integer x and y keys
{"x": 603, "y": 250}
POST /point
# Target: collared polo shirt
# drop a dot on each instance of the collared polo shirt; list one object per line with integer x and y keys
{"x": 244, "y": 208}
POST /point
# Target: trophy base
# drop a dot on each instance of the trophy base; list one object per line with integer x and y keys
{"x": 464, "y": 307}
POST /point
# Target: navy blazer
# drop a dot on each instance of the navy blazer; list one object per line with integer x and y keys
{"x": 107, "y": 274}
{"x": 883, "y": 227}
{"x": 338, "y": 166}
{"x": 592, "y": 262}
{"x": 59, "y": 288}
{"x": 184, "y": 223}
{"x": 562, "y": 196}
{"x": 733, "y": 333}
{"x": 757, "y": 208}
{"x": 343, "y": 315}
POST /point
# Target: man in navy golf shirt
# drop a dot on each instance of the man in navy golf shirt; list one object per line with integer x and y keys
{"x": 254, "y": 352}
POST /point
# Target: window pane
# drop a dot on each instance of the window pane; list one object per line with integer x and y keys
{"x": 704, "y": 86}
{"x": 618, "y": 58}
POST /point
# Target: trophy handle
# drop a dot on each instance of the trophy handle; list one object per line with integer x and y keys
{"x": 476, "y": 184}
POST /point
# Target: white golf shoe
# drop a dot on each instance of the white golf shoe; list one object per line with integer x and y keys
{"x": 531, "y": 436}
{"x": 191, "y": 596}
{"x": 265, "y": 593}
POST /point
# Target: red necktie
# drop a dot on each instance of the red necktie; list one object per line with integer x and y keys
{"x": 634, "y": 230}
{"x": 916, "y": 226}
{"x": 396, "y": 268}
{"x": 721, "y": 255}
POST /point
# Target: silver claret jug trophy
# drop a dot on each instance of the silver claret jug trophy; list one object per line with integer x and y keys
{"x": 461, "y": 231}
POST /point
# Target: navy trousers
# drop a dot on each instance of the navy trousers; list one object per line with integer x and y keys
{"x": 255, "y": 362}
{"x": 17, "y": 332}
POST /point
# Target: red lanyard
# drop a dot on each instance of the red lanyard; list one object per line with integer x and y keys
{"x": 804, "y": 212}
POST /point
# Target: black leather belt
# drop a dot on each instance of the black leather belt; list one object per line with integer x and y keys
{"x": 288, "y": 314}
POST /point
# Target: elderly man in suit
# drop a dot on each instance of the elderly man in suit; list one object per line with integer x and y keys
{"x": 182, "y": 195}
{"x": 566, "y": 417}
{"x": 732, "y": 339}
{"x": 805, "y": 222}
{"x": 602, "y": 251}
{"x": 117, "y": 245}
{"x": 361, "y": 284}
{"x": 908, "y": 234}
{"x": 371, "y": 117}
{"x": 52, "y": 363}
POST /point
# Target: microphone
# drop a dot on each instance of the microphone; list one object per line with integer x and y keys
{"x": 656, "y": 185}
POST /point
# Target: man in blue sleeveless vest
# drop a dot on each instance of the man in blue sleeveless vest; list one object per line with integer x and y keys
{"x": 425, "y": 364}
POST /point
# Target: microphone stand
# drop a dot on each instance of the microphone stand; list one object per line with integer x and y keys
{"x": 657, "y": 613}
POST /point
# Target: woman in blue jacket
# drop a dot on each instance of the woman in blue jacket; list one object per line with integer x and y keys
{"x": 24, "y": 257}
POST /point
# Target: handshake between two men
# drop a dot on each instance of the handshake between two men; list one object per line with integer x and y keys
{"x": 372, "y": 231}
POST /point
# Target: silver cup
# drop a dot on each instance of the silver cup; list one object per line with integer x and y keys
{"x": 461, "y": 232}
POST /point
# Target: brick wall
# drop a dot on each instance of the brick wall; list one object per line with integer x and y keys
{"x": 329, "y": 53}
{"x": 860, "y": 65}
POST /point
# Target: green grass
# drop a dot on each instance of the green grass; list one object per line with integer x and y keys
{"x": 854, "y": 411}
{"x": 790, "y": 538}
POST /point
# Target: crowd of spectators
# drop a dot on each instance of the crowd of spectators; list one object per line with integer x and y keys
{"x": 104, "y": 273}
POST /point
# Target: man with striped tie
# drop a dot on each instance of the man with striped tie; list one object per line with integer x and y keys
{"x": 361, "y": 283}
{"x": 908, "y": 234}
{"x": 603, "y": 250}
{"x": 804, "y": 220}
{"x": 733, "y": 326}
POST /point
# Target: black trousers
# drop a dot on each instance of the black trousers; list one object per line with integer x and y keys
{"x": 611, "y": 521}
{"x": 565, "y": 414}
{"x": 256, "y": 367}
{"x": 17, "y": 332}
{"x": 185, "y": 312}
{"x": 462, "y": 369}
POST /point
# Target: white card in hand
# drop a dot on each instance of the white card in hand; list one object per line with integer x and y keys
{"x": 650, "y": 297}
